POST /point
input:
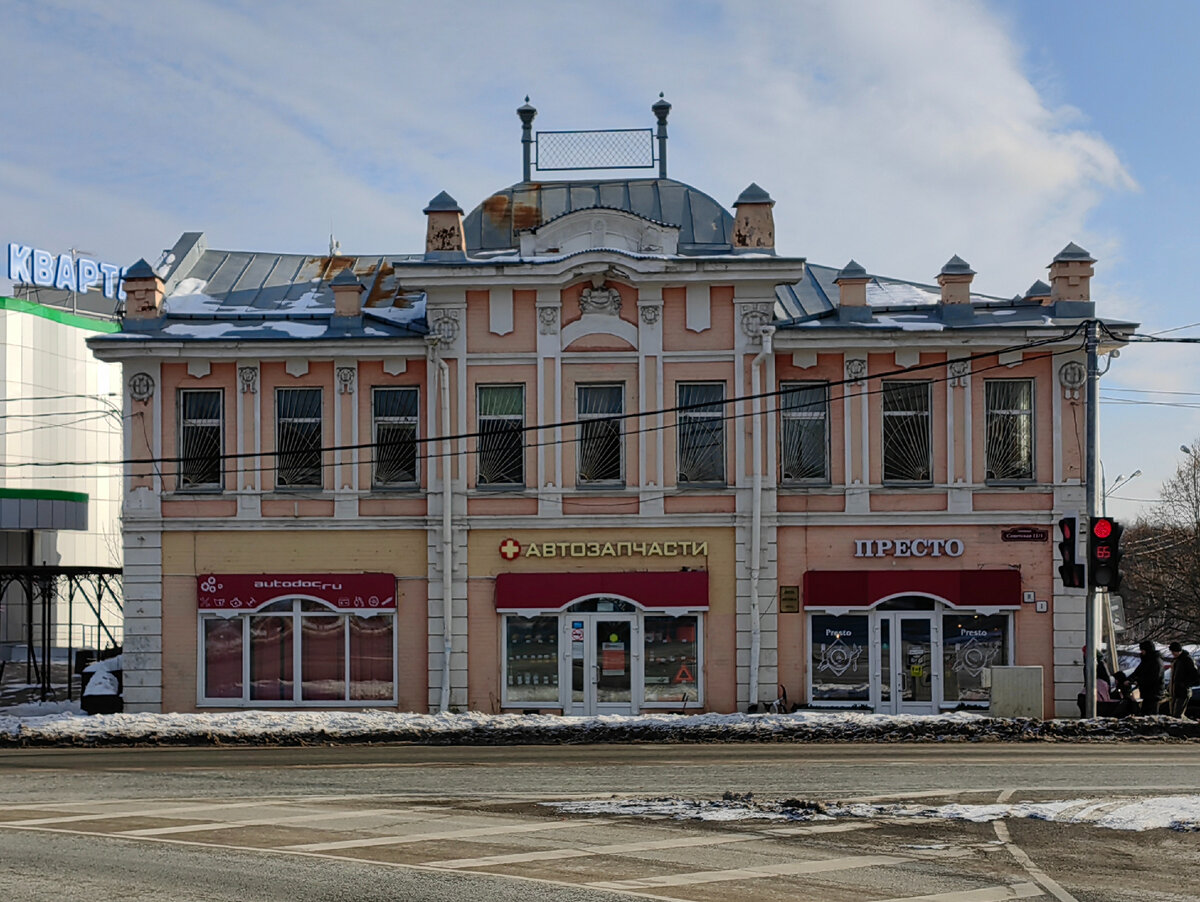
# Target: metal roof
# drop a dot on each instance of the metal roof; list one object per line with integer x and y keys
{"x": 705, "y": 227}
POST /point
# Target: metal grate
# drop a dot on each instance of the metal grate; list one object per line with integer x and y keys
{"x": 620, "y": 148}
{"x": 907, "y": 439}
{"x": 1009, "y": 430}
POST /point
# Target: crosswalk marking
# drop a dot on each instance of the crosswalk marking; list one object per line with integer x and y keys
{"x": 987, "y": 894}
{"x": 783, "y": 869}
{"x": 468, "y": 833}
{"x": 137, "y": 812}
{"x": 808, "y": 829}
{"x": 265, "y": 821}
{"x": 585, "y": 851}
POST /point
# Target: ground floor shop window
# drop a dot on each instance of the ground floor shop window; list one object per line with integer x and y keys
{"x": 602, "y": 655}
{"x": 907, "y": 655}
{"x": 971, "y": 644}
{"x": 340, "y": 658}
{"x": 672, "y": 654}
{"x": 531, "y": 660}
{"x": 840, "y": 658}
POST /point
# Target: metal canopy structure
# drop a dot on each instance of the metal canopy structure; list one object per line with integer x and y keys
{"x": 43, "y": 588}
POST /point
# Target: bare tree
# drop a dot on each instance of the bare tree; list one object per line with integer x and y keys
{"x": 1161, "y": 584}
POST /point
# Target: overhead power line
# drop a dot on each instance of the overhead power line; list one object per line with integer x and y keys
{"x": 527, "y": 428}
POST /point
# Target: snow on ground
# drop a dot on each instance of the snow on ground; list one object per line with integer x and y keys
{"x": 1181, "y": 813}
{"x": 306, "y": 726}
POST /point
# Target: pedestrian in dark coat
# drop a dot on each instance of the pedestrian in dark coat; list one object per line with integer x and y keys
{"x": 1183, "y": 677}
{"x": 1149, "y": 677}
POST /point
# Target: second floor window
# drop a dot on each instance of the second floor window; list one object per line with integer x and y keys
{"x": 1009, "y": 429}
{"x": 394, "y": 413}
{"x": 200, "y": 439}
{"x": 701, "y": 432}
{"x": 298, "y": 437}
{"x": 500, "y": 455}
{"x": 601, "y": 443}
{"x": 804, "y": 439}
{"x": 907, "y": 437}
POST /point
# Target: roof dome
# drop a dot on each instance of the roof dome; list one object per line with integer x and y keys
{"x": 705, "y": 227}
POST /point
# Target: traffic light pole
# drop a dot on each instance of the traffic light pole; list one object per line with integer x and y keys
{"x": 1091, "y": 626}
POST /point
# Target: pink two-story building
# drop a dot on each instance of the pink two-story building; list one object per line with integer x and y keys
{"x": 599, "y": 448}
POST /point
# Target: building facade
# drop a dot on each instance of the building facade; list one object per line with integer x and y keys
{"x": 598, "y": 449}
{"x": 60, "y": 503}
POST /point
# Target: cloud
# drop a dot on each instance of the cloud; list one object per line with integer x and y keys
{"x": 898, "y": 135}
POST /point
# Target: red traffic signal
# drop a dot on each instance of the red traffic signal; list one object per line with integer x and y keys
{"x": 1104, "y": 553}
{"x": 1070, "y": 572}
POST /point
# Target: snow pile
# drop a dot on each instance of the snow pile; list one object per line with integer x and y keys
{"x": 305, "y": 727}
{"x": 1180, "y": 813}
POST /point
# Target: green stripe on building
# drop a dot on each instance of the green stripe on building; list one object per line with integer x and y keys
{"x": 59, "y": 316}
{"x": 45, "y": 495}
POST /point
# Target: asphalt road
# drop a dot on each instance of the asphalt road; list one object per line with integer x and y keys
{"x": 429, "y": 823}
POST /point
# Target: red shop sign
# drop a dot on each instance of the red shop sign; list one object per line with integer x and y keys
{"x": 249, "y": 591}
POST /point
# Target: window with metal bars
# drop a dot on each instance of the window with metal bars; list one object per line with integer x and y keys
{"x": 700, "y": 446}
{"x": 500, "y": 448}
{"x": 1009, "y": 430}
{"x": 601, "y": 454}
{"x": 804, "y": 436}
{"x": 907, "y": 434}
{"x": 298, "y": 437}
{"x": 394, "y": 414}
{"x": 200, "y": 440}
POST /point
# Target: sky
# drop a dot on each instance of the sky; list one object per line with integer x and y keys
{"x": 897, "y": 134}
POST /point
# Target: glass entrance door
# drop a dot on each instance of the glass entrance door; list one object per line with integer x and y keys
{"x": 602, "y": 662}
{"x": 908, "y": 650}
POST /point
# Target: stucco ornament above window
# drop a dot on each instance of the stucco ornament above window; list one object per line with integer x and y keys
{"x": 856, "y": 368}
{"x": 1072, "y": 375}
{"x": 548, "y": 318}
{"x": 345, "y": 380}
{"x": 754, "y": 318}
{"x": 141, "y": 386}
{"x": 248, "y": 378}
{"x": 959, "y": 370}
{"x": 600, "y": 300}
{"x": 445, "y": 326}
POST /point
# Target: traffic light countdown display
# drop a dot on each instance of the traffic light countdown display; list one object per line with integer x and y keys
{"x": 1104, "y": 553}
{"x": 1070, "y": 572}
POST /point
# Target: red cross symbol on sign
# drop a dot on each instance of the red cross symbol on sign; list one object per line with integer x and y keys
{"x": 510, "y": 549}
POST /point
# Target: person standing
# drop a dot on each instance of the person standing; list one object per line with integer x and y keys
{"x": 1183, "y": 677}
{"x": 1149, "y": 676}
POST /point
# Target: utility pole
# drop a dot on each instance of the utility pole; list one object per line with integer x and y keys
{"x": 1091, "y": 625}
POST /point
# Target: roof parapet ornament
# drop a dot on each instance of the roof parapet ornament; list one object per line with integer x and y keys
{"x": 661, "y": 110}
{"x": 852, "y": 281}
{"x": 527, "y": 114}
{"x": 754, "y": 223}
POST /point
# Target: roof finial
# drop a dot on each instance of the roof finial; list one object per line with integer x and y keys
{"x": 527, "y": 114}
{"x": 661, "y": 109}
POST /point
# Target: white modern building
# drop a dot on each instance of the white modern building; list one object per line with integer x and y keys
{"x": 58, "y": 523}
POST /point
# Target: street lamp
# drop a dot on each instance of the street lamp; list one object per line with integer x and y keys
{"x": 1117, "y": 483}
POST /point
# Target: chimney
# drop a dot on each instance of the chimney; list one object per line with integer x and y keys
{"x": 852, "y": 293}
{"x": 754, "y": 223}
{"x": 347, "y": 294}
{"x": 955, "y": 281}
{"x": 1070, "y": 274}
{"x": 143, "y": 292}
{"x": 1038, "y": 292}
{"x": 444, "y": 232}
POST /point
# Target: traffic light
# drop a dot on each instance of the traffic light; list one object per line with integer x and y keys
{"x": 1070, "y": 572}
{"x": 1104, "y": 553}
